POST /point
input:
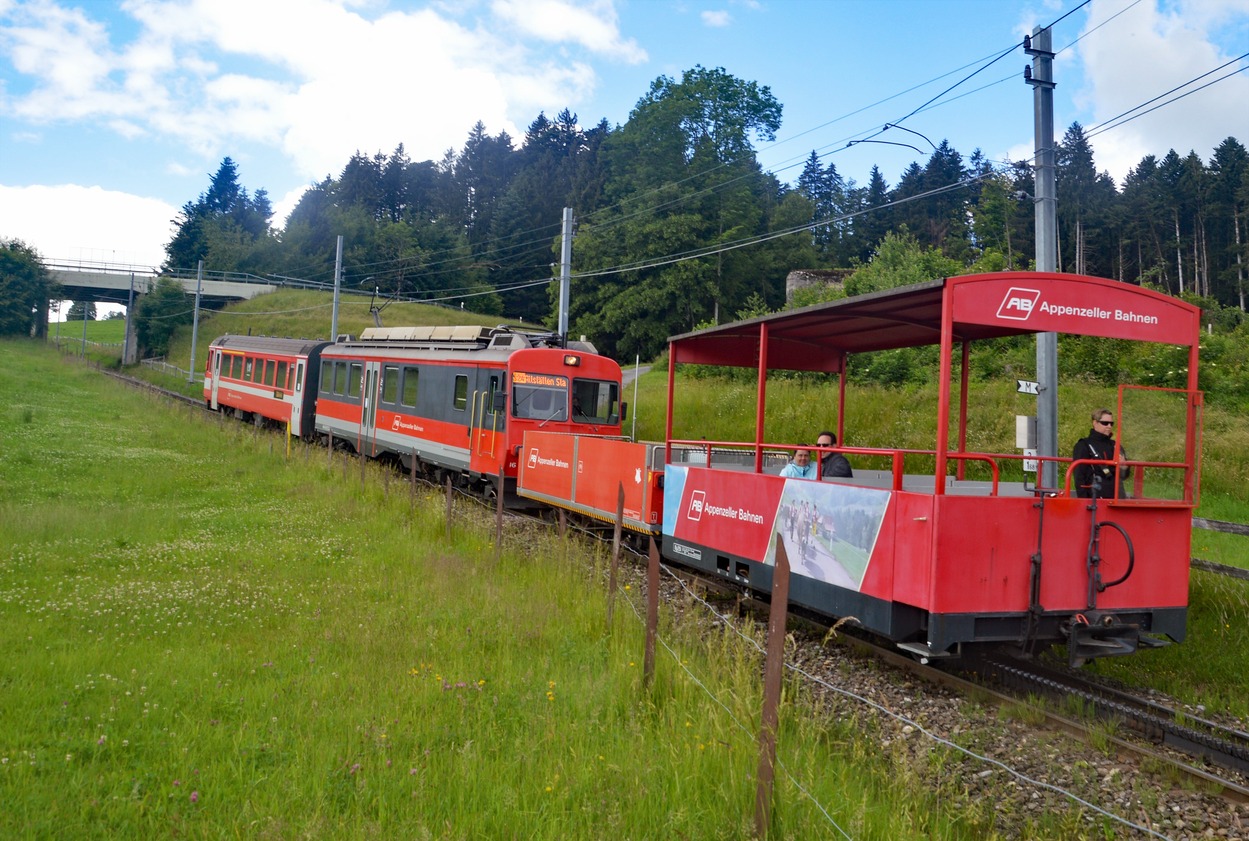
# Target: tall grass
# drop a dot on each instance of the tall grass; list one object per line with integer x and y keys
{"x": 203, "y": 637}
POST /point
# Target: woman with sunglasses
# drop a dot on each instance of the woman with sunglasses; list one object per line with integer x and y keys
{"x": 1099, "y": 480}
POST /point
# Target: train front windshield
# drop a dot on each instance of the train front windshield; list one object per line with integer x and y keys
{"x": 542, "y": 397}
{"x": 595, "y": 401}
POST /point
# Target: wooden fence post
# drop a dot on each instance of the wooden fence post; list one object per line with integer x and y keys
{"x": 615, "y": 556}
{"x": 448, "y": 477}
{"x": 498, "y": 518}
{"x": 772, "y": 671}
{"x": 652, "y": 614}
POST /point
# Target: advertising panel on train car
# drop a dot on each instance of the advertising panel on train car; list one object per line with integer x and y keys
{"x": 1072, "y": 304}
{"x": 546, "y": 464}
{"x": 829, "y": 529}
{"x": 624, "y": 461}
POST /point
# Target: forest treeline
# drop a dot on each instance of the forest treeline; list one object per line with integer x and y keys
{"x": 679, "y": 225}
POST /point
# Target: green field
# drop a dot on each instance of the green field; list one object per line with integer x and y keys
{"x": 206, "y": 638}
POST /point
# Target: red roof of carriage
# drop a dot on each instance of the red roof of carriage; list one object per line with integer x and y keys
{"x": 817, "y": 338}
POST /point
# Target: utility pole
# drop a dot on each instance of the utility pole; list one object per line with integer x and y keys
{"x": 126, "y": 345}
{"x": 338, "y": 280}
{"x": 1041, "y": 77}
{"x": 199, "y": 286}
{"x": 565, "y": 274}
{"x": 86, "y": 307}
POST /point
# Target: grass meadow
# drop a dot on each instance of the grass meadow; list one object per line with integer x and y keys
{"x": 205, "y": 638}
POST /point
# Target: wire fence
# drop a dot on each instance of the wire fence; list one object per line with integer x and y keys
{"x": 159, "y": 364}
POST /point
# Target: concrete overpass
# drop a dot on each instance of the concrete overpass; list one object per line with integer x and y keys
{"x": 110, "y": 283}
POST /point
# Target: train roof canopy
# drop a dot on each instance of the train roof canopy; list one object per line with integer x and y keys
{"x": 985, "y": 306}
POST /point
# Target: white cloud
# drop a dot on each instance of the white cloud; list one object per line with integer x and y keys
{"x": 321, "y": 80}
{"x": 124, "y": 228}
{"x": 717, "y": 18}
{"x": 593, "y": 25}
{"x": 1146, "y": 52}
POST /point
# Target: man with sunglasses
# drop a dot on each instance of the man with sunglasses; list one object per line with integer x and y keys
{"x": 1099, "y": 480}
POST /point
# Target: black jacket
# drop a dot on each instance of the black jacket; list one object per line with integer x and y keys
{"x": 835, "y": 466}
{"x": 1101, "y": 479}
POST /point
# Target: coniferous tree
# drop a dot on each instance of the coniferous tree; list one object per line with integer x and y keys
{"x": 225, "y": 227}
{"x": 1229, "y": 199}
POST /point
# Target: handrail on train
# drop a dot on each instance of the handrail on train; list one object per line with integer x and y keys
{"x": 709, "y": 450}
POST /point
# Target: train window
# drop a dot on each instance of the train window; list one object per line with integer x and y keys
{"x": 461, "y": 392}
{"x": 390, "y": 383}
{"x": 410, "y": 378}
{"x": 494, "y": 389}
{"x": 282, "y": 371}
{"x": 539, "y": 396}
{"x": 340, "y": 378}
{"x": 236, "y": 367}
{"x": 327, "y": 377}
{"x": 270, "y": 366}
{"x": 247, "y": 372}
{"x": 354, "y": 378}
{"x": 595, "y": 401}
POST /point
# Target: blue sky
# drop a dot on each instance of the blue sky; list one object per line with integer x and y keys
{"x": 114, "y": 114}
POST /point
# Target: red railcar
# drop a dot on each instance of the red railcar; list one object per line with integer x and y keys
{"x": 260, "y": 378}
{"x": 458, "y": 400}
{"x": 950, "y": 548}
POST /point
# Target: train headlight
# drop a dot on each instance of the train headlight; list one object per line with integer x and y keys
{"x": 572, "y": 360}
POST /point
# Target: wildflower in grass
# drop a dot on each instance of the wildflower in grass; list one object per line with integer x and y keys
{"x": 195, "y": 797}
{"x": 69, "y": 757}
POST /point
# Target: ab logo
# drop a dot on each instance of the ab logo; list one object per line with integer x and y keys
{"x": 1018, "y": 303}
{"x": 533, "y": 458}
{"x": 696, "y": 505}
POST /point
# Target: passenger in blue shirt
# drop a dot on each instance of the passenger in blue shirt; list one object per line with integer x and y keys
{"x": 801, "y": 467}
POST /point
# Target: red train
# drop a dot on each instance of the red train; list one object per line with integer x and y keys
{"x": 457, "y": 400}
{"x": 942, "y": 550}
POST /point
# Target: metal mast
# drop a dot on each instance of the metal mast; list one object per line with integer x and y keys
{"x": 1041, "y": 77}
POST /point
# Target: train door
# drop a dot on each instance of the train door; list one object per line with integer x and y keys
{"x": 368, "y": 413}
{"x": 486, "y": 423}
{"x": 297, "y": 399}
{"x": 216, "y": 377}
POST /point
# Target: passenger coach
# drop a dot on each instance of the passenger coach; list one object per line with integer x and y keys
{"x": 259, "y": 378}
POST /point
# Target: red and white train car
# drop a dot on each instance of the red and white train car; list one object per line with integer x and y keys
{"x": 262, "y": 378}
{"x": 459, "y": 399}
{"x": 949, "y": 548}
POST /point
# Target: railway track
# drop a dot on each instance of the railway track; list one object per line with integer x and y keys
{"x": 1180, "y": 730}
